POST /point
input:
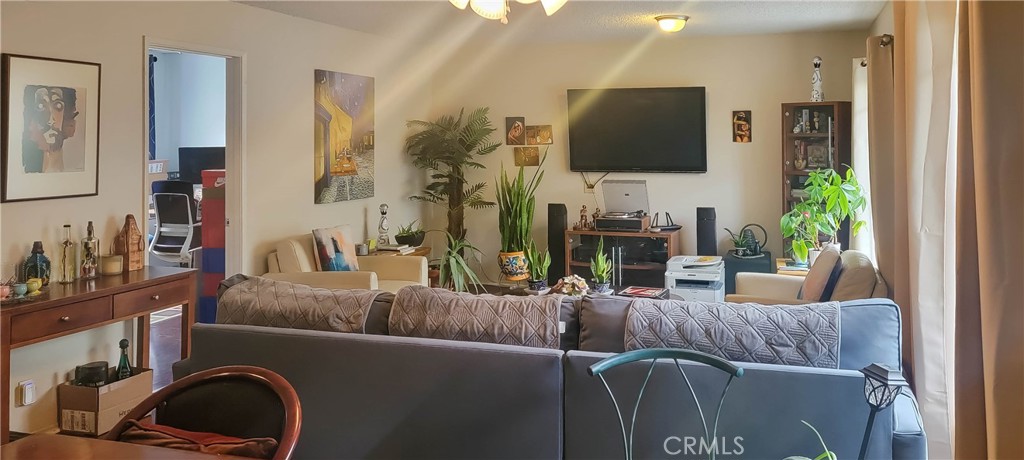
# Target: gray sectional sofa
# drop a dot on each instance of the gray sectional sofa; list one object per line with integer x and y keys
{"x": 378, "y": 396}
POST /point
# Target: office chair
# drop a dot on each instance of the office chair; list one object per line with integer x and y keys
{"x": 178, "y": 230}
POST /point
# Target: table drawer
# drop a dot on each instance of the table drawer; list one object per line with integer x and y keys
{"x": 151, "y": 298}
{"x": 55, "y": 320}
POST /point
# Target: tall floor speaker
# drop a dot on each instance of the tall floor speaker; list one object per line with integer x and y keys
{"x": 707, "y": 237}
{"x": 558, "y": 223}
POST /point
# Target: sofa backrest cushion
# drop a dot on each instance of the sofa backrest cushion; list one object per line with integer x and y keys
{"x": 872, "y": 333}
{"x": 858, "y": 279}
{"x": 420, "y": 311}
{"x": 795, "y": 335}
{"x": 821, "y": 279}
{"x": 258, "y": 301}
{"x": 603, "y": 323}
{"x": 569, "y": 315}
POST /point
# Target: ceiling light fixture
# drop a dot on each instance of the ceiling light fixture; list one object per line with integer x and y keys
{"x": 670, "y": 22}
{"x": 498, "y": 9}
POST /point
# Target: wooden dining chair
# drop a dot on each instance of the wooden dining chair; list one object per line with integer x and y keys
{"x": 245, "y": 402}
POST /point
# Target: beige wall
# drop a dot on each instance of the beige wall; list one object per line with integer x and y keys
{"x": 884, "y": 23}
{"x": 280, "y": 53}
{"x": 755, "y": 73}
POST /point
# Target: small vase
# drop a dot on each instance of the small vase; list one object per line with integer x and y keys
{"x": 513, "y": 265}
{"x": 538, "y": 285}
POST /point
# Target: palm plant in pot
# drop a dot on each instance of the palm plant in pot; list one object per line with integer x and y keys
{"x": 538, "y": 265}
{"x": 814, "y": 222}
{"x": 447, "y": 148}
{"x": 516, "y": 203}
{"x": 601, "y": 267}
{"x": 410, "y": 234}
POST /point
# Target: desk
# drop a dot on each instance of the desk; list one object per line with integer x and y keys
{"x": 54, "y": 446}
{"x": 65, "y": 309}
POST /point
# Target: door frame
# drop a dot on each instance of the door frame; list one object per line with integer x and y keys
{"x": 234, "y": 141}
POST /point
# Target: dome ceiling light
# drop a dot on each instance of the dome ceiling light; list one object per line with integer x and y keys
{"x": 671, "y": 22}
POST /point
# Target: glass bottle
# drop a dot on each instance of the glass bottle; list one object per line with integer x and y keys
{"x": 37, "y": 265}
{"x": 67, "y": 265}
{"x": 90, "y": 254}
{"x": 124, "y": 368}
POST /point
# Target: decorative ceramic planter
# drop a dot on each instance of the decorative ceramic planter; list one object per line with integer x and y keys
{"x": 538, "y": 285}
{"x": 812, "y": 256}
{"x": 415, "y": 240}
{"x": 513, "y": 265}
{"x": 602, "y": 288}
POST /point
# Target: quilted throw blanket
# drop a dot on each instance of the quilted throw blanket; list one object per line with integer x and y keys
{"x": 419, "y": 311}
{"x": 798, "y": 335}
{"x": 257, "y": 301}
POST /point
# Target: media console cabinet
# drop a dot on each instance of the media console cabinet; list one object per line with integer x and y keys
{"x": 65, "y": 309}
{"x": 638, "y": 258}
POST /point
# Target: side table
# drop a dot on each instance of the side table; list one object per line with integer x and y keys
{"x": 782, "y": 267}
{"x": 734, "y": 265}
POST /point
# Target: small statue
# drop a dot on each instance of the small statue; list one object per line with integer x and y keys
{"x": 597, "y": 213}
{"x": 382, "y": 227}
{"x": 799, "y": 124}
{"x": 817, "y": 122}
{"x": 582, "y": 224}
{"x": 129, "y": 244}
{"x": 817, "y": 95}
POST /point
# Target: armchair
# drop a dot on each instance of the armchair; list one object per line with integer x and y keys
{"x": 858, "y": 279}
{"x": 293, "y": 262}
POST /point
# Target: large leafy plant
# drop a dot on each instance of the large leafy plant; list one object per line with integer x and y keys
{"x": 831, "y": 199}
{"x": 455, "y": 272}
{"x": 537, "y": 262}
{"x": 446, "y": 148}
{"x": 516, "y": 203}
{"x": 600, "y": 264}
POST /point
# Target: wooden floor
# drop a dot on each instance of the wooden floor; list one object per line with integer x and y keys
{"x": 164, "y": 349}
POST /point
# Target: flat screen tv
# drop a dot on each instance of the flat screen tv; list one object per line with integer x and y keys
{"x": 638, "y": 129}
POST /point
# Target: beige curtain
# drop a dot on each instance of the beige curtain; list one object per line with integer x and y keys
{"x": 990, "y": 232}
{"x": 912, "y": 159}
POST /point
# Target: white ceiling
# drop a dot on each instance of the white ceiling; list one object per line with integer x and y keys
{"x": 590, "y": 21}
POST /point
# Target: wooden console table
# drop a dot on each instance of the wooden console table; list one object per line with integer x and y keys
{"x": 65, "y": 309}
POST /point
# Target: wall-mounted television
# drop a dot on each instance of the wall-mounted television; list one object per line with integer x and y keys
{"x": 638, "y": 129}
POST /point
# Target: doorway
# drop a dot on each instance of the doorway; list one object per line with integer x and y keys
{"x": 194, "y": 144}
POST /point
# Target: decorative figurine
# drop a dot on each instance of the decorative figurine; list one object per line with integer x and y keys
{"x": 801, "y": 161}
{"x": 67, "y": 266}
{"x": 382, "y": 227}
{"x": 799, "y": 124}
{"x": 90, "y": 263}
{"x": 597, "y": 213}
{"x": 817, "y": 95}
{"x": 582, "y": 224}
{"x": 817, "y": 123}
{"x": 130, "y": 244}
{"x": 37, "y": 265}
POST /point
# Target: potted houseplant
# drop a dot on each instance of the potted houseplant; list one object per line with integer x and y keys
{"x": 739, "y": 241}
{"x": 814, "y": 222}
{"x": 455, "y": 273}
{"x": 410, "y": 234}
{"x": 538, "y": 264}
{"x": 516, "y": 204}
{"x": 447, "y": 148}
{"x": 601, "y": 267}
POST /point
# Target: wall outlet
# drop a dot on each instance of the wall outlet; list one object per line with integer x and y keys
{"x": 27, "y": 390}
{"x": 588, "y": 189}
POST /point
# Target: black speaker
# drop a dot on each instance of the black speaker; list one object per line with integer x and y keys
{"x": 558, "y": 223}
{"x": 707, "y": 237}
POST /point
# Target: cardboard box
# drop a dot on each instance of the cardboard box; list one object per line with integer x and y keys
{"x": 95, "y": 410}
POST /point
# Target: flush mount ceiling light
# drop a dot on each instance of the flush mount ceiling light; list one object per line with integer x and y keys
{"x": 498, "y": 9}
{"x": 671, "y": 22}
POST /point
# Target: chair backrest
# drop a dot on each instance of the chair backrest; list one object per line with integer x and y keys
{"x": 295, "y": 254}
{"x": 239, "y": 401}
{"x": 859, "y": 278}
{"x": 174, "y": 202}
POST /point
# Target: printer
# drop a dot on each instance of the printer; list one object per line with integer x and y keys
{"x": 696, "y": 278}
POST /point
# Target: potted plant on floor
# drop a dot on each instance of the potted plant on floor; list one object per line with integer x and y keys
{"x": 814, "y": 222}
{"x": 455, "y": 273}
{"x": 410, "y": 234}
{"x": 538, "y": 264}
{"x": 446, "y": 148}
{"x": 601, "y": 267}
{"x": 516, "y": 204}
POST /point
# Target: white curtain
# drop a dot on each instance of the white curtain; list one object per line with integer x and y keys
{"x": 912, "y": 162}
{"x": 864, "y": 240}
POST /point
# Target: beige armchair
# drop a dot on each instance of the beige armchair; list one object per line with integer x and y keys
{"x": 293, "y": 262}
{"x": 858, "y": 279}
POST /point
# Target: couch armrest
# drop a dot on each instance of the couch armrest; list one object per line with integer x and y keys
{"x": 742, "y": 298}
{"x": 329, "y": 280}
{"x": 908, "y": 438}
{"x": 768, "y": 285}
{"x": 400, "y": 268}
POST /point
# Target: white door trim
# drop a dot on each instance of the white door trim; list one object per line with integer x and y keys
{"x": 235, "y": 148}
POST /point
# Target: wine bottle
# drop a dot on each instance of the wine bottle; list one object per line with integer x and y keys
{"x": 124, "y": 368}
{"x": 67, "y": 258}
{"x": 90, "y": 254}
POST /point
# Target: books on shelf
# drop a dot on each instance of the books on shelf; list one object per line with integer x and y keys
{"x": 640, "y": 291}
{"x": 392, "y": 247}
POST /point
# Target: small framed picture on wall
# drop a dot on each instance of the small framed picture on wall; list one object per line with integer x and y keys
{"x": 741, "y": 126}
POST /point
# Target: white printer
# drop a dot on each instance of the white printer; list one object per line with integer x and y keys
{"x": 698, "y": 278}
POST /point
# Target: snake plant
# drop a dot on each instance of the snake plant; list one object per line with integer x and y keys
{"x": 538, "y": 263}
{"x": 516, "y": 204}
{"x": 600, "y": 265}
